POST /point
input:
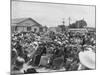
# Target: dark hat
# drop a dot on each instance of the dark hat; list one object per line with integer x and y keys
{"x": 30, "y": 70}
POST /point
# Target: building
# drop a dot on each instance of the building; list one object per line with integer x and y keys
{"x": 52, "y": 29}
{"x": 44, "y": 28}
{"x": 58, "y": 29}
{"x": 80, "y": 30}
{"x": 25, "y": 25}
{"x": 91, "y": 29}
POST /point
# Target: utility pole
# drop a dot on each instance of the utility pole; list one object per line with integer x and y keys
{"x": 69, "y": 19}
{"x": 63, "y": 22}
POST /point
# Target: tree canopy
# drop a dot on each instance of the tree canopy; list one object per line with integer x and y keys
{"x": 78, "y": 24}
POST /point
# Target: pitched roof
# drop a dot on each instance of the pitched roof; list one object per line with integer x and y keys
{"x": 19, "y": 20}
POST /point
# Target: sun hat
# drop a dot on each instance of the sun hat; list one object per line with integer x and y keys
{"x": 89, "y": 49}
{"x": 20, "y": 59}
{"x": 87, "y": 58}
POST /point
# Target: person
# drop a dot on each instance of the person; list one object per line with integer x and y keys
{"x": 87, "y": 60}
{"x": 13, "y": 56}
{"x": 30, "y": 70}
{"x": 18, "y": 48}
{"x": 16, "y": 69}
{"x": 32, "y": 47}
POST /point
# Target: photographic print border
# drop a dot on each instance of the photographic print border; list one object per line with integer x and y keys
{"x": 46, "y": 3}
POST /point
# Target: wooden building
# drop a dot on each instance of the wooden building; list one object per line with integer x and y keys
{"x": 25, "y": 25}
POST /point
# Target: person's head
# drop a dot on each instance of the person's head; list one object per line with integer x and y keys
{"x": 30, "y": 70}
{"x": 19, "y": 62}
{"x": 87, "y": 59}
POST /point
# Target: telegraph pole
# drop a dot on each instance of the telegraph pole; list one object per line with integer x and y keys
{"x": 63, "y": 22}
{"x": 69, "y": 19}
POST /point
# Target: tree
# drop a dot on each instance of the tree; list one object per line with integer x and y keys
{"x": 81, "y": 23}
{"x": 78, "y": 24}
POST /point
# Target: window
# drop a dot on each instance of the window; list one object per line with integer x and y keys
{"x": 28, "y": 28}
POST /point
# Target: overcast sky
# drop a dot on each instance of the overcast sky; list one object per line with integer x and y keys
{"x": 52, "y": 14}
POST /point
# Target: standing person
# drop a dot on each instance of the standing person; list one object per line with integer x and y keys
{"x": 37, "y": 56}
{"x": 18, "y": 48}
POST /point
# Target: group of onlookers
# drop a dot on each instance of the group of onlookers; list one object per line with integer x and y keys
{"x": 31, "y": 51}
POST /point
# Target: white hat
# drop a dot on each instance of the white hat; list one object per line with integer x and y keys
{"x": 20, "y": 59}
{"x": 89, "y": 49}
{"x": 87, "y": 58}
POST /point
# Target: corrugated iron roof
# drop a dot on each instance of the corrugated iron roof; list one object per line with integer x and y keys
{"x": 18, "y": 20}
{"x": 15, "y": 21}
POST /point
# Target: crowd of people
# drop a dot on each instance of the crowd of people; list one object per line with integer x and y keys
{"x": 32, "y": 51}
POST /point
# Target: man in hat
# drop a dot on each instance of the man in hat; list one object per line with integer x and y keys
{"x": 87, "y": 60}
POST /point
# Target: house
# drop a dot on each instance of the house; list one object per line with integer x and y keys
{"x": 52, "y": 29}
{"x": 25, "y": 25}
{"x": 58, "y": 29}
